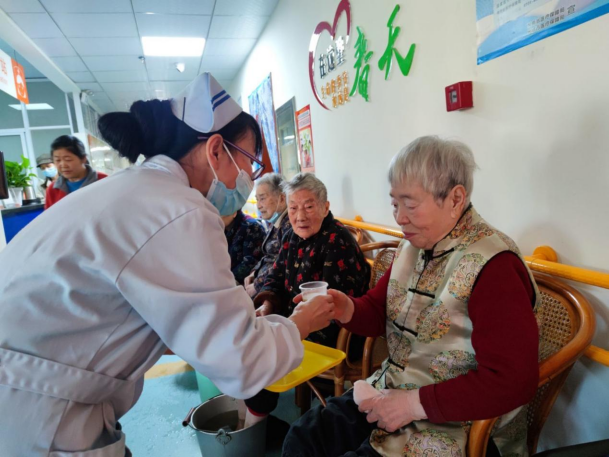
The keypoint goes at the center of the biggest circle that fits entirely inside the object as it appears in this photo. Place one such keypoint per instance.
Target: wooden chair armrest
(479, 435)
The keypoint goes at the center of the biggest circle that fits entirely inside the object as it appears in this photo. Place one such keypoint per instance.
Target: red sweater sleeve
(505, 338)
(370, 311)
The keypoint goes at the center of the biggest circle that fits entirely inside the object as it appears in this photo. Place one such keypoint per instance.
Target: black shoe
(276, 431)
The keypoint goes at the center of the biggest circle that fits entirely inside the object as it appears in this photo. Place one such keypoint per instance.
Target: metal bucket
(220, 415)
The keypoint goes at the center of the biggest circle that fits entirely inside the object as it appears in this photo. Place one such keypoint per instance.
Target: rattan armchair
(566, 326)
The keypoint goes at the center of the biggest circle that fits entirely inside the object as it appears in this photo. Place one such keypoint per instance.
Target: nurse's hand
(313, 314)
(343, 305)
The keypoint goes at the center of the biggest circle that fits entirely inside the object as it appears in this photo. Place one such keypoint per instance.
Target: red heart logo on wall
(343, 7)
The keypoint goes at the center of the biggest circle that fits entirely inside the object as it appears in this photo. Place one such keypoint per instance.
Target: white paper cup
(313, 289)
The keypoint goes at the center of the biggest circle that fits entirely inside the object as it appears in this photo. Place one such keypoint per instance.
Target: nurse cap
(204, 105)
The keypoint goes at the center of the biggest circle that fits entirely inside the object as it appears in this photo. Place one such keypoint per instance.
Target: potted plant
(18, 177)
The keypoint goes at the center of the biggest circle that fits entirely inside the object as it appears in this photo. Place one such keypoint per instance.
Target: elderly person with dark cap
(457, 309)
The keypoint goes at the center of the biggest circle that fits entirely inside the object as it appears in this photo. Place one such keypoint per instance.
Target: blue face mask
(50, 172)
(274, 218)
(228, 201)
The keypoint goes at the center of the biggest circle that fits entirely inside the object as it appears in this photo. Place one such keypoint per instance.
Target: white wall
(538, 132)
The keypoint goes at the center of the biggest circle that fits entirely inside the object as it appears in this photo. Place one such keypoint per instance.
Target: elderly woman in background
(457, 308)
(318, 248)
(244, 236)
(273, 208)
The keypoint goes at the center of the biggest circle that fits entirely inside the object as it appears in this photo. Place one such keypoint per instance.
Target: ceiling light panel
(33, 106)
(87, 6)
(173, 46)
(204, 7)
(96, 25)
(37, 25)
(172, 25)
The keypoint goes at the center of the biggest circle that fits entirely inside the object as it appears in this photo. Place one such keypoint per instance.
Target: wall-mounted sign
(262, 108)
(323, 65)
(506, 25)
(288, 144)
(12, 78)
(336, 53)
(305, 139)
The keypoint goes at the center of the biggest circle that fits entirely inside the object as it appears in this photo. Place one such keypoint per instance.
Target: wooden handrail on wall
(544, 260)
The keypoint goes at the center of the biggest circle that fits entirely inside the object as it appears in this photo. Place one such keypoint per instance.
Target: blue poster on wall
(262, 108)
(506, 25)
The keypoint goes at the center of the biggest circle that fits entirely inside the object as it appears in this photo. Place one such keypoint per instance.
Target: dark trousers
(339, 429)
(264, 402)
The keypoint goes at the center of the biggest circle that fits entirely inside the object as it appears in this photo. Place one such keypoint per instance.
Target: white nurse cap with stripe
(204, 105)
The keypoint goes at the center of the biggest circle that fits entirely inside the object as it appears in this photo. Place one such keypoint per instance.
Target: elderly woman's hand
(248, 280)
(251, 290)
(313, 314)
(394, 409)
(343, 305)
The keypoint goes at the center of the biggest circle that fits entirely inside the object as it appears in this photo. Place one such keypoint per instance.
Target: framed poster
(305, 139)
(262, 109)
(288, 148)
(506, 25)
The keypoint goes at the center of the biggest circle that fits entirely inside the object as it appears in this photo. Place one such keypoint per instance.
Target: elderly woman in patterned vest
(457, 307)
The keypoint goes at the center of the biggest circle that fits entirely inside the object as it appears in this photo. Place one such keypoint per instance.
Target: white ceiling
(97, 43)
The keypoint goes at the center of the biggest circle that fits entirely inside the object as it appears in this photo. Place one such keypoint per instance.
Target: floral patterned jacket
(245, 237)
(270, 250)
(332, 255)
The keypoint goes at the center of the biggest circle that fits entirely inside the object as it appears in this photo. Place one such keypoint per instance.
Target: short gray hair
(274, 181)
(306, 181)
(437, 164)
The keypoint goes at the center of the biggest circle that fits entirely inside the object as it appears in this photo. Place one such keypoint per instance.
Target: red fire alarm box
(459, 96)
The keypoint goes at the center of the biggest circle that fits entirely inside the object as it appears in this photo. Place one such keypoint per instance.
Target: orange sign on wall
(12, 78)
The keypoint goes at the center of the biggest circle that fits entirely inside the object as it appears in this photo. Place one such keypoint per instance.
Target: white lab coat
(95, 289)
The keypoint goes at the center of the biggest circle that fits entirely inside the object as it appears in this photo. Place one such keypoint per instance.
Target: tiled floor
(154, 426)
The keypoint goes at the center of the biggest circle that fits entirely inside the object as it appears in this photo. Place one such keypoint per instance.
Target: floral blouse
(332, 255)
(245, 237)
(270, 250)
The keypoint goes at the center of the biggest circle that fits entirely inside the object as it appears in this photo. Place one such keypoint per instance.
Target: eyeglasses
(258, 171)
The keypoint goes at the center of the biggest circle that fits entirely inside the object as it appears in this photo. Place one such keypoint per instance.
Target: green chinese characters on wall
(363, 56)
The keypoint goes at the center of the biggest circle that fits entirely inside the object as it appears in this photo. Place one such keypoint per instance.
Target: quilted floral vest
(429, 335)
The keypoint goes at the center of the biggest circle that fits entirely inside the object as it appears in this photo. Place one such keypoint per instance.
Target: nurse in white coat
(94, 290)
